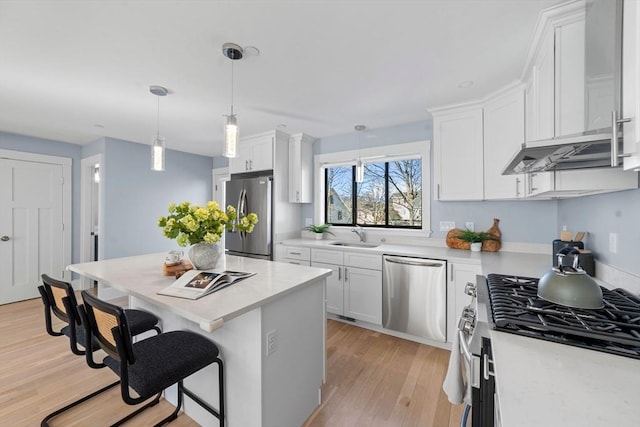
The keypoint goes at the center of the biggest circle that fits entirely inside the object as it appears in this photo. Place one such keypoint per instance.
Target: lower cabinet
(355, 288)
(296, 255)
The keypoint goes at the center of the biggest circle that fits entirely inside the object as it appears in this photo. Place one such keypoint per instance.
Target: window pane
(339, 193)
(370, 204)
(405, 193)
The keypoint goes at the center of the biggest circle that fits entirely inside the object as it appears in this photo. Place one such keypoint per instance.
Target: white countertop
(540, 383)
(141, 276)
(523, 264)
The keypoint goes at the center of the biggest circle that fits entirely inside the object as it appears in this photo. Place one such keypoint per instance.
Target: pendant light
(234, 53)
(359, 164)
(158, 146)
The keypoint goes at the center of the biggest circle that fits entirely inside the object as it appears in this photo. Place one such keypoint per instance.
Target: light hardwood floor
(372, 380)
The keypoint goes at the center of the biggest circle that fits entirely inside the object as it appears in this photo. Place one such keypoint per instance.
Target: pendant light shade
(158, 142)
(231, 131)
(230, 136)
(157, 154)
(359, 164)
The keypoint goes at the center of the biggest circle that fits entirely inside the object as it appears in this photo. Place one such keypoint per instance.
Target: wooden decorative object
(454, 243)
(493, 245)
(172, 270)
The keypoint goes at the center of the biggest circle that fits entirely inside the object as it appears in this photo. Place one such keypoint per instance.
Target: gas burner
(516, 308)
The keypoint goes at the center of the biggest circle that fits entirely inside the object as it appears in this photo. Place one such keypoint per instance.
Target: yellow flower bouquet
(191, 224)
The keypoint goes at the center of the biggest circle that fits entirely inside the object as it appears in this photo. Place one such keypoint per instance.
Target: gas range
(516, 308)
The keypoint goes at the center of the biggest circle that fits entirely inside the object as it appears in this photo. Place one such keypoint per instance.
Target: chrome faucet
(359, 231)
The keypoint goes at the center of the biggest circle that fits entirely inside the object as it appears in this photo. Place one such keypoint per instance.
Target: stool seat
(151, 365)
(165, 360)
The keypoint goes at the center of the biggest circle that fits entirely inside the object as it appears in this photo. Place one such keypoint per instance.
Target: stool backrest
(109, 326)
(61, 299)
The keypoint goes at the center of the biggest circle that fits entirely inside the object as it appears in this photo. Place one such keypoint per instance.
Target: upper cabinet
(457, 152)
(301, 168)
(631, 83)
(255, 153)
(503, 130)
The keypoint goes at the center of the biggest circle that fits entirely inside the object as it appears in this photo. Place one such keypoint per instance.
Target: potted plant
(319, 230)
(474, 238)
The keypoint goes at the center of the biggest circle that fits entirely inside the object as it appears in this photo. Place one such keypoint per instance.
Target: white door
(31, 227)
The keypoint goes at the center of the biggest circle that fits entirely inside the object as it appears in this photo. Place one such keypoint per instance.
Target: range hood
(591, 149)
(595, 147)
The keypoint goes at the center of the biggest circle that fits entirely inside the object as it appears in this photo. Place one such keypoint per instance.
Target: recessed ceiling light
(98, 126)
(465, 84)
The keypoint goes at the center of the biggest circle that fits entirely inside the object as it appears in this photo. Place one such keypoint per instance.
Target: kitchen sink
(355, 245)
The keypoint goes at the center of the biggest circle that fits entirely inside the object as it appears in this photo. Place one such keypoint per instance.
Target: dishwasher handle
(410, 261)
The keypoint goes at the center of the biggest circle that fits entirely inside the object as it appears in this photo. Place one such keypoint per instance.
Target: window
(390, 195)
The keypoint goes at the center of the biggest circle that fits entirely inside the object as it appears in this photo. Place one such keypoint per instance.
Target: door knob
(4, 238)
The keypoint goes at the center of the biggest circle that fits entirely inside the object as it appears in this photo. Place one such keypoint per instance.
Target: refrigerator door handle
(243, 210)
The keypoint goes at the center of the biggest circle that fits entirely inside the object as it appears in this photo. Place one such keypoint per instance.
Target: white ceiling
(76, 71)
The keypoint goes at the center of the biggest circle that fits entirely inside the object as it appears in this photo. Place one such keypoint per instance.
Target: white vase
(204, 256)
(319, 236)
(476, 247)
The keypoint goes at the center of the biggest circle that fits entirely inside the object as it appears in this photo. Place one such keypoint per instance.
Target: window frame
(354, 199)
(402, 151)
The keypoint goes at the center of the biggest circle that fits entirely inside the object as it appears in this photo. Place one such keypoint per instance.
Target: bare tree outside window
(389, 196)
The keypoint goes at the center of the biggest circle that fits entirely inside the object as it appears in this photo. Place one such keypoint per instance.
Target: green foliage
(474, 236)
(322, 228)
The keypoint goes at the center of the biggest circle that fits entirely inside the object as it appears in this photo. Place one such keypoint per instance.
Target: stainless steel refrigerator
(251, 193)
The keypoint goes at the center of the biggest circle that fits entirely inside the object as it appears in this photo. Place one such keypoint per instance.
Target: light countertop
(141, 276)
(540, 383)
(523, 264)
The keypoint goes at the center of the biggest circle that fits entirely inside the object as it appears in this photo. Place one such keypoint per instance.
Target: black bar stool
(59, 298)
(151, 365)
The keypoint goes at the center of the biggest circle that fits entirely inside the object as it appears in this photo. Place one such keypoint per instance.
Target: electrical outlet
(272, 342)
(447, 225)
(469, 226)
(613, 243)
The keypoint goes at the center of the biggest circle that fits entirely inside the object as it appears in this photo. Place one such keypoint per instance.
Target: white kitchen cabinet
(301, 168)
(503, 134)
(544, 75)
(255, 153)
(573, 183)
(296, 255)
(458, 158)
(555, 75)
(363, 294)
(569, 80)
(354, 289)
(459, 275)
(631, 83)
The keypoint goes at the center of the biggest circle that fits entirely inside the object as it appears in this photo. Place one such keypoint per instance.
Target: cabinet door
(569, 81)
(261, 154)
(240, 163)
(300, 169)
(631, 83)
(530, 123)
(363, 294)
(458, 160)
(335, 288)
(544, 75)
(538, 183)
(503, 136)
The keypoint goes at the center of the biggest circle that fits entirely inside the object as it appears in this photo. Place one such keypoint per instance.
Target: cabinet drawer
(293, 252)
(328, 256)
(356, 259)
(297, 261)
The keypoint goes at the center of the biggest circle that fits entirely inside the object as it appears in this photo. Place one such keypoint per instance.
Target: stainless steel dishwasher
(414, 296)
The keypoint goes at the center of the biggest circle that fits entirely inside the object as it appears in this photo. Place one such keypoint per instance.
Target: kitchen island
(270, 329)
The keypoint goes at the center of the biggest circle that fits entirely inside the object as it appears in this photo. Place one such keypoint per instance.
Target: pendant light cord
(158, 118)
(232, 87)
